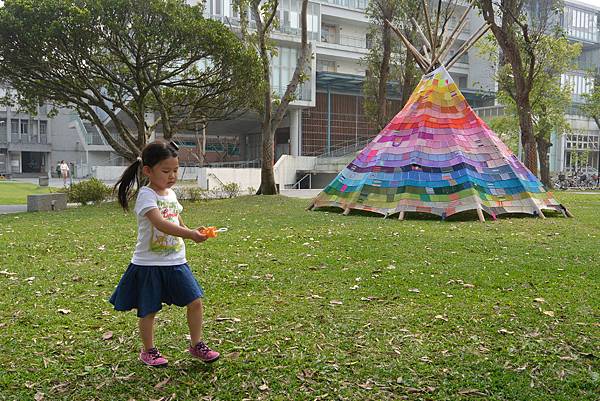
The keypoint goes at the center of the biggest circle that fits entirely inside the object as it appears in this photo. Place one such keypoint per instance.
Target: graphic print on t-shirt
(164, 243)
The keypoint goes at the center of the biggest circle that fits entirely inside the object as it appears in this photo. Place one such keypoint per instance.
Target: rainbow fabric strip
(437, 156)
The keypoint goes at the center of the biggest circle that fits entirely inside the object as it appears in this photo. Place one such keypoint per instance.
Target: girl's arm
(171, 228)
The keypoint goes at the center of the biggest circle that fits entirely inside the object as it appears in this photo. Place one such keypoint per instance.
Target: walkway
(300, 193)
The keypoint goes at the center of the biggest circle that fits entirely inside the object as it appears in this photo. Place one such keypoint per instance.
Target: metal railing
(354, 4)
(346, 148)
(256, 163)
(344, 40)
(297, 184)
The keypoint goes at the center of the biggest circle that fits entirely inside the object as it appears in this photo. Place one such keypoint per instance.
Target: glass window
(14, 126)
(43, 127)
(24, 127)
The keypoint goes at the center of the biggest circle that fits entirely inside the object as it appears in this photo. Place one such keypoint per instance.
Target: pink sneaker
(152, 357)
(202, 352)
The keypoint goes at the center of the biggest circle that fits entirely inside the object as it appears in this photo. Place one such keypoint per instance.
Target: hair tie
(139, 159)
(174, 145)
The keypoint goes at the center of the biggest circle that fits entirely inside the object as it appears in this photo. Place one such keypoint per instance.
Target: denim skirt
(146, 288)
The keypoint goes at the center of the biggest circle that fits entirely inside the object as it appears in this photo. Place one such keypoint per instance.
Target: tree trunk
(267, 176)
(384, 70)
(527, 135)
(408, 81)
(543, 148)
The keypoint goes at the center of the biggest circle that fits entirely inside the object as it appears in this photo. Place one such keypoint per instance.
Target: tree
(591, 107)
(114, 61)
(518, 34)
(548, 99)
(387, 60)
(272, 109)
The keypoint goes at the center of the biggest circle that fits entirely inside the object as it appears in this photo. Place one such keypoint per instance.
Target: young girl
(158, 272)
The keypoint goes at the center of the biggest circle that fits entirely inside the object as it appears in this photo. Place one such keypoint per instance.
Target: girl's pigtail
(125, 185)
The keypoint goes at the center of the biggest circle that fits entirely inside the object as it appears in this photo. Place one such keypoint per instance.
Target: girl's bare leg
(146, 325)
(194, 319)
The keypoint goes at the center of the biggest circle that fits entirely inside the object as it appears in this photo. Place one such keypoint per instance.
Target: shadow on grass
(466, 216)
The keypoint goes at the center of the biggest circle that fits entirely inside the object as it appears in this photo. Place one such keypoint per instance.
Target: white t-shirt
(155, 248)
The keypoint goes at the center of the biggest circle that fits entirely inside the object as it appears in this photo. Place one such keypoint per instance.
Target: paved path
(300, 193)
(57, 183)
(6, 209)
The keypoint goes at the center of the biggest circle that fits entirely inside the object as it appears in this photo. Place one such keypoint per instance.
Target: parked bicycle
(576, 180)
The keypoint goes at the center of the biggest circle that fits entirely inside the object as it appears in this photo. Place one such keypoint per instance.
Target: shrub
(92, 190)
(251, 190)
(231, 189)
(193, 194)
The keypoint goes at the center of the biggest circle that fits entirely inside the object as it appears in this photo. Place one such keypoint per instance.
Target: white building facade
(328, 114)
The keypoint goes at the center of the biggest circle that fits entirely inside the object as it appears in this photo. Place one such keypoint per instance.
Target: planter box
(46, 202)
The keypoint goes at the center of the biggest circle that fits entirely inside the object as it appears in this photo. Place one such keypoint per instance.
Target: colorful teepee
(437, 156)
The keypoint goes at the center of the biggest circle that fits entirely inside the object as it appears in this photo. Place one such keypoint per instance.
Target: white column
(294, 116)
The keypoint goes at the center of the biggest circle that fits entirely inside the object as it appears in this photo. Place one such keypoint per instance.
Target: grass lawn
(15, 193)
(311, 305)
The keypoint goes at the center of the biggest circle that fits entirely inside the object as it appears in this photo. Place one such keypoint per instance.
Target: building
(328, 114)
(578, 150)
(327, 117)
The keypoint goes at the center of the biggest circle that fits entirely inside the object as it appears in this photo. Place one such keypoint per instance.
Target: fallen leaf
(225, 319)
(7, 273)
(504, 331)
(445, 319)
(233, 355)
(102, 247)
(470, 391)
(162, 383)
(416, 290)
(334, 302)
(540, 300)
(467, 285)
(263, 387)
(107, 336)
(240, 265)
(366, 386)
(64, 311)
(38, 396)
(549, 313)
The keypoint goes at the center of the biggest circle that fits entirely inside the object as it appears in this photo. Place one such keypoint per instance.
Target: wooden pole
(426, 10)
(401, 215)
(418, 57)
(437, 25)
(484, 28)
(539, 211)
(480, 214)
(420, 31)
(346, 211)
(453, 36)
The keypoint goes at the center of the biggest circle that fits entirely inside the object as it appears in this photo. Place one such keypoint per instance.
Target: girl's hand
(197, 235)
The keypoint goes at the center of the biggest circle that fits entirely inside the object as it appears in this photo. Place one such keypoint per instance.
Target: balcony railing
(345, 40)
(354, 4)
(24, 138)
(303, 92)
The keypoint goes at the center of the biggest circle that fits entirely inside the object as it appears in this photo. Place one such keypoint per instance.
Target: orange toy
(211, 231)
